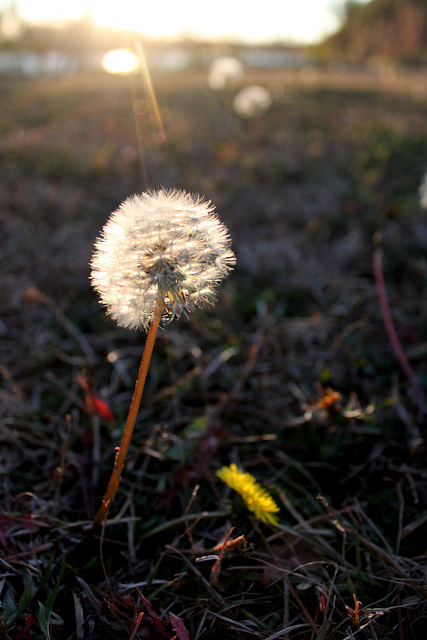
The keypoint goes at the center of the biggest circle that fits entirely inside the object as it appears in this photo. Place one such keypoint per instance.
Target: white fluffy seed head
(167, 244)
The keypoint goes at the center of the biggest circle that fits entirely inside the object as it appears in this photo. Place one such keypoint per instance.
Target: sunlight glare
(52, 11)
(122, 61)
(302, 21)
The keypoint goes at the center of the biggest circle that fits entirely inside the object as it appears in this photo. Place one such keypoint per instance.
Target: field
(309, 372)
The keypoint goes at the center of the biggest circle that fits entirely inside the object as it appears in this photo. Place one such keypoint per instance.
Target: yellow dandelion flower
(257, 499)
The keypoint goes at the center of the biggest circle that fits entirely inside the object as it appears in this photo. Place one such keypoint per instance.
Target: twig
(393, 337)
(34, 296)
(301, 605)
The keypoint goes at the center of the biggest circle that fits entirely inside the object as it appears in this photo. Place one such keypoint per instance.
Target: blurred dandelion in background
(225, 71)
(257, 499)
(252, 101)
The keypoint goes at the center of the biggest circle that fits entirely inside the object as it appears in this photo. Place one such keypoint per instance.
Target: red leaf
(152, 619)
(3, 539)
(147, 604)
(24, 634)
(96, 405)
(93, 403)
(179, 627)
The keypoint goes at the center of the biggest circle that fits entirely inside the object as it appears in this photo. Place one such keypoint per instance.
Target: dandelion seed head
(225, 71)
(252, 101)
(257, 499)
(168, 244)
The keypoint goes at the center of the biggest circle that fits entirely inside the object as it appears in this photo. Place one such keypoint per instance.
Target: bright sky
(290, 20)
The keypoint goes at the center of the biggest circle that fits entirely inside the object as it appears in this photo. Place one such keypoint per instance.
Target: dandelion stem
(130, 422)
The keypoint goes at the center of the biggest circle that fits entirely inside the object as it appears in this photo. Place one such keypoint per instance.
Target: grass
(303, 190)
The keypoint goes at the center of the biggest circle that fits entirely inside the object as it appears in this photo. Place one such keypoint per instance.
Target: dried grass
(302, 189)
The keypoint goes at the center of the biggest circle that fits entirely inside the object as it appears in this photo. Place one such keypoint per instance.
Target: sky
(300, 21)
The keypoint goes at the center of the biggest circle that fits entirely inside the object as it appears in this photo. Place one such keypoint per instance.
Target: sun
(121, 61)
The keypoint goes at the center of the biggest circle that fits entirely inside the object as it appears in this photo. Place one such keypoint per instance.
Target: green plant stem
(130, 422)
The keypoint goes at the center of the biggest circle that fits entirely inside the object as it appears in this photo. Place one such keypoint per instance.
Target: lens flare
(120, 61)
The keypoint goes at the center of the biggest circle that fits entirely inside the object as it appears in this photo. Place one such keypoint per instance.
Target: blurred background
(48, 38)
(306, 125)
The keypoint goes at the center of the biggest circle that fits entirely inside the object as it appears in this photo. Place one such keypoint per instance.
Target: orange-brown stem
(130, 422)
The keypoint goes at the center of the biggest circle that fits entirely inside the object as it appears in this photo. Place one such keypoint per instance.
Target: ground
(309, 372)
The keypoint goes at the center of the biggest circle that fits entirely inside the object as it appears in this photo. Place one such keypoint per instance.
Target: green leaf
(29, 592)
(45, 610)
(10, 609)
(44, 618)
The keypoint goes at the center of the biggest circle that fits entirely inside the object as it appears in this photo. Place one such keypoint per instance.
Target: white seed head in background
(166, 244)
(252, 101)
(225, 72)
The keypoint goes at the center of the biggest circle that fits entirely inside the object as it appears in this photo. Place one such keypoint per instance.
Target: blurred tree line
(393, 29)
